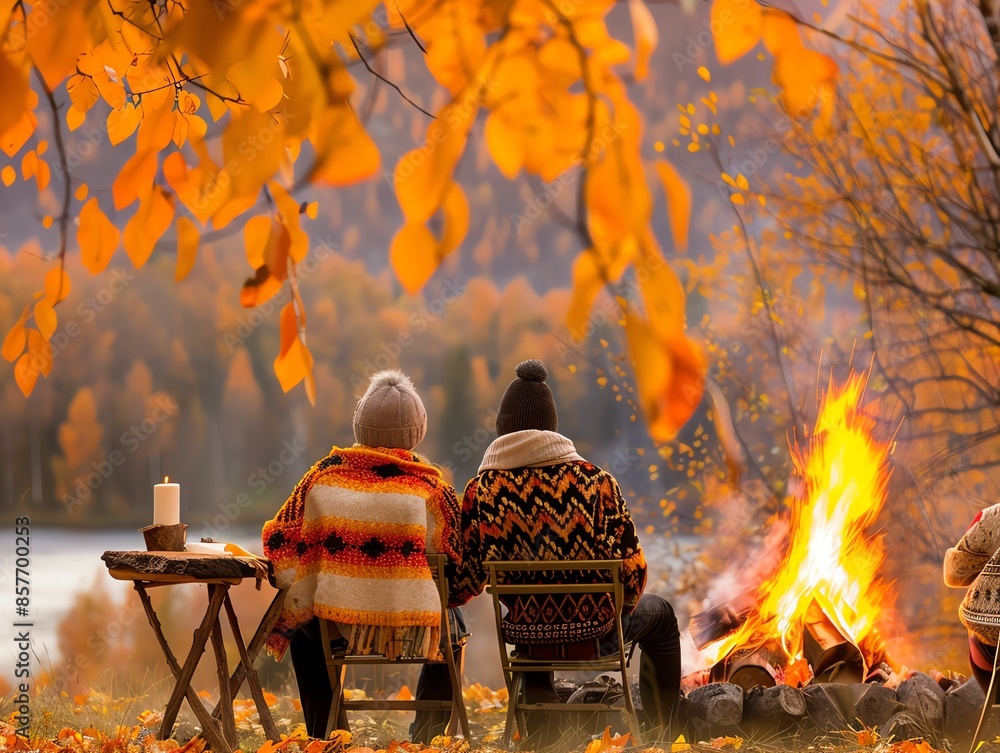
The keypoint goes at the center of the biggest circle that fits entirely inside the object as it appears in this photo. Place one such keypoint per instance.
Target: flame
(830, 560)
(166, 479)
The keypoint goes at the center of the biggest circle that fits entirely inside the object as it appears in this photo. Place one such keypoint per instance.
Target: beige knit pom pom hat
(390, 413)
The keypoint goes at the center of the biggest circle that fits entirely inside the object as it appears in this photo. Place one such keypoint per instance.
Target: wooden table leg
(266, 720)
(259, 639)
(222, 665)
(209, 726)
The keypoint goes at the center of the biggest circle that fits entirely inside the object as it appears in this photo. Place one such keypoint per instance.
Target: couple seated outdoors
(350, 546)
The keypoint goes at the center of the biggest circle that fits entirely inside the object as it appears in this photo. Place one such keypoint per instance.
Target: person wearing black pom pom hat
(536, 498)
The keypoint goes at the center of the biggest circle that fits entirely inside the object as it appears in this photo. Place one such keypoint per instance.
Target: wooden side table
(152, 569)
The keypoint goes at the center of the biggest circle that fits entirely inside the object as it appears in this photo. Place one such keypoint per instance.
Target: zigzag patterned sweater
(350, 545)
(565, 510)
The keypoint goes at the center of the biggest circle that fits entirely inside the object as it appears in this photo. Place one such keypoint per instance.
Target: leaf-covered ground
(100, 723)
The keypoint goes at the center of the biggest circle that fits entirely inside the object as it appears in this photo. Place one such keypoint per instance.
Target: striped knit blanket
(350, 546)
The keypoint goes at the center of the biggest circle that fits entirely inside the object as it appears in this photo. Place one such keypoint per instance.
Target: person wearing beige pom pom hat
(350, 546)
(536, 498)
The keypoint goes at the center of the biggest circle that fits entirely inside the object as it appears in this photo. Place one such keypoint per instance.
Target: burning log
(719, 621)
(718, 703)
(773, 709)
(749, 668)
(832, 656)
(923, 698)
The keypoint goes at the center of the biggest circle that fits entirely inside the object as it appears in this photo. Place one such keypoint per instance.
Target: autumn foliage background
(219, 218)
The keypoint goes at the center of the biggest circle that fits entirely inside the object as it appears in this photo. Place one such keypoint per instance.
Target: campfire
(814, 619)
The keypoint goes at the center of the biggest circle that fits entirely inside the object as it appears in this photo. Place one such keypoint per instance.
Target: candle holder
(160, 538)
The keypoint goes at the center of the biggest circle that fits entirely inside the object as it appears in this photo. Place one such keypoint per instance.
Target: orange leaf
(423, 176)
(25, 374)
(806, 77)
(276, 251)
(456, 220)
(256, 231)
(736, 26)
(646, 37)
(18, 134)
(289, 328)
(293, 366)
(14, 342)
(678, 202)
(134, 178)
(45, 318)
(40, 351)
(505, 143)
(414, 255)
(188, 239)
(345, 153)
(97, 237)
(587, 283)
(15, 88)
(150, 221)
(663, 296)
(57, 285)
(669, 377)
(122, 123)
(9, 175)
(780, 32)
(259, 288)
(298, 241)
(58, 40)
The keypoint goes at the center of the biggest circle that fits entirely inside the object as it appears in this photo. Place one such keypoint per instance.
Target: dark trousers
(316, 695)
(653, 626)
(986, 655)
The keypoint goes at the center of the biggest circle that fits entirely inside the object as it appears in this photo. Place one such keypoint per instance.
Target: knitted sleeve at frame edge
(964, 561)
(443, 507)
(619, 532)
(470, 577)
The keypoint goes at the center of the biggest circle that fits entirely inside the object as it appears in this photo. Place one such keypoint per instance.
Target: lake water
(65, 562)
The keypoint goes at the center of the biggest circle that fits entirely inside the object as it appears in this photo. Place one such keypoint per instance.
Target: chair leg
(459, 715)
(633, 717)
(338, 716)
(513, 695)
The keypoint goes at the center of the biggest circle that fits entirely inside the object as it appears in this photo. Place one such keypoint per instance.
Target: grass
(109, 722)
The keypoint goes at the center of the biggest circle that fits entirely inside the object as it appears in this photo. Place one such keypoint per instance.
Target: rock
(962, 707)
(923, 699)
(868, 705)
(903, 725)
(822, 710)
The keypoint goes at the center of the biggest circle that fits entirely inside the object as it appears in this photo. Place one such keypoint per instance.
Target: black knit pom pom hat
(528, 402)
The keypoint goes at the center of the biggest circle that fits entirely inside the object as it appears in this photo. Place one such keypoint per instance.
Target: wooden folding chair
(515, 666)
(337, 663)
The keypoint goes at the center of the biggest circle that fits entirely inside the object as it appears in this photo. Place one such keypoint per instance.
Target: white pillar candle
(166, 503)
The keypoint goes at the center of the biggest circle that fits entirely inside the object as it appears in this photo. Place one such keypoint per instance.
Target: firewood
(719, 703)
(903, 726)
(773, 709)
(923, 698)
(822, 710)
(868, 705)
(720, 620)
(962, 707)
